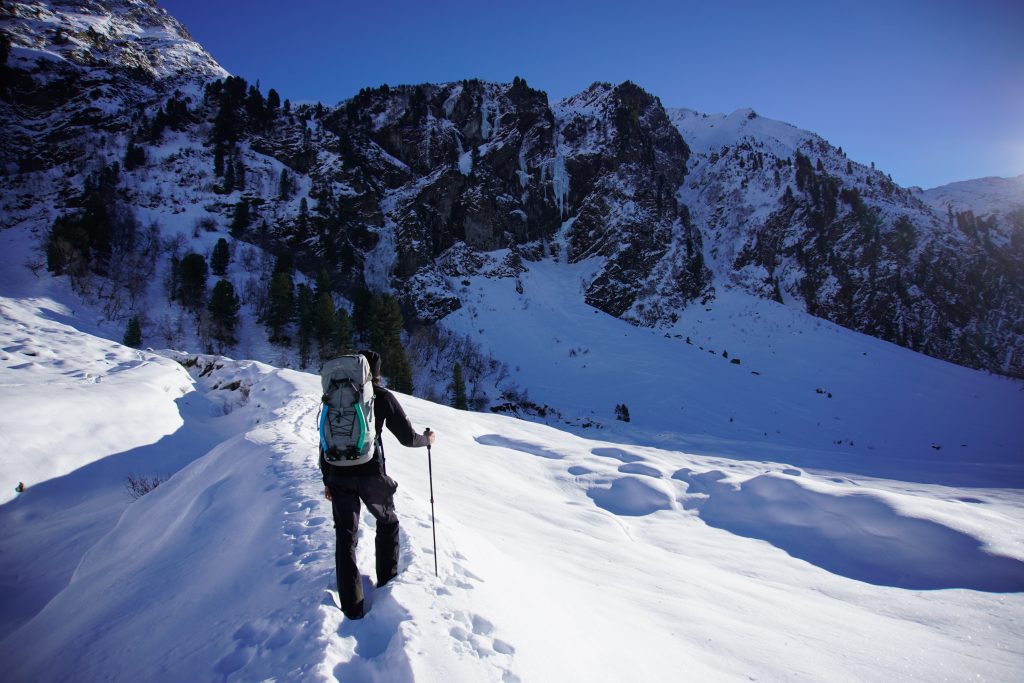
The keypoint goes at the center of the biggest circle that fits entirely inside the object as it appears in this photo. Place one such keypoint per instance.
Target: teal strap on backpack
(362, 426)
(323, 422)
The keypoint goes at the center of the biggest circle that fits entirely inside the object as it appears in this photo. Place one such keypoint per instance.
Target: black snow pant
(377, 491)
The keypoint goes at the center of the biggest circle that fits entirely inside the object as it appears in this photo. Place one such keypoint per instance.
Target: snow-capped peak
(129, 34)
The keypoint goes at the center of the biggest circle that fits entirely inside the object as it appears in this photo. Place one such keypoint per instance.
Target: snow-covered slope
(743, 374)
(983, 196)
(708, 133)
(560, 557)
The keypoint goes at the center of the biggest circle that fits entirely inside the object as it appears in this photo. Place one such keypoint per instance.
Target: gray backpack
(347, 430)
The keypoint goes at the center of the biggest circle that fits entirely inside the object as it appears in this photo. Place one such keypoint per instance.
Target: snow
(91, 389)
(466, 162)
(982, 196)
(708, 133)
(683, 544)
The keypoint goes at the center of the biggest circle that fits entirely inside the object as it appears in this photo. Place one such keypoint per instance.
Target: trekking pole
(430, 471)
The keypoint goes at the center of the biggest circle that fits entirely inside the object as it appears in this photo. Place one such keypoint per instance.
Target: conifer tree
(220, 258)
(241, 219)
(459, 400)
(284, 186)
(280, 302)
(386, 339)
(239, 174)
(218, 160)
(223, 307)
(229, 177)
(323, 282)
(191, 281)
(133, 333)
(342, 332)
(325, 323)
(306, 305)
(362, 314)
(134, 156)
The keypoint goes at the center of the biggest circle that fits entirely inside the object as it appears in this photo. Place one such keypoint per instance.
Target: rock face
(494, 166)
(78, 68)
(410, 189)
(790, 217)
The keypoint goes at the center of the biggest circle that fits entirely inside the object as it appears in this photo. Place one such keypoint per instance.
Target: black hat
(373, 358)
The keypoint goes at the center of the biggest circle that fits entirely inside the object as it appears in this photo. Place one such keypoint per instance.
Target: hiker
(346, 485)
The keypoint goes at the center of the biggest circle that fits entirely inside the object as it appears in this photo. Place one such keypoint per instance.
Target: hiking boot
(355, 612)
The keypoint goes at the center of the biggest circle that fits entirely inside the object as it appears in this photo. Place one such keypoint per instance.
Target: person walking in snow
(369, 483)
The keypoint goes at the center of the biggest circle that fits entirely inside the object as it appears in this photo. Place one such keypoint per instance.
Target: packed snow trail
(560, 557)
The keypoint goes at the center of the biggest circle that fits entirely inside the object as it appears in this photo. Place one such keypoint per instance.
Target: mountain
(788, 216)
(79, 71)
(999, 197)
(113, 123)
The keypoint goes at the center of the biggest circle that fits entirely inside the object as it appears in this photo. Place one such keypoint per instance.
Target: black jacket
(386, 410)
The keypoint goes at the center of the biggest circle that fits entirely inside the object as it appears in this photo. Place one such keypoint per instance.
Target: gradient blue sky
(932, 91)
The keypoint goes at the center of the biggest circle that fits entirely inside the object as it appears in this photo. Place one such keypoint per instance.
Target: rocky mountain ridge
(408, 189)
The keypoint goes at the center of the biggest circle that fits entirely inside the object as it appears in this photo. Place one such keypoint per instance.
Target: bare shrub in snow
(436, 350)
(139, 485)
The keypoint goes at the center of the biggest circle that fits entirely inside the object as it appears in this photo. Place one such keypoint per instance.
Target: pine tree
(386, 339)
(323, 282)
(224, 306)
(229, 177)
(459, 400)
(325, 324)
(303, 215)
(218, 160)
(239, 174)
(133, 333)
(400, 375)
(191, 281)
(343, 332)
(134, 156)
(362, 314)
(284, 186)
(220, 258)
(241, 219)
(280, 306)
(306, 304)
(622, 412)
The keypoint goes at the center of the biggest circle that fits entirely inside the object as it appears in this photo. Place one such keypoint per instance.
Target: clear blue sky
(932, 91)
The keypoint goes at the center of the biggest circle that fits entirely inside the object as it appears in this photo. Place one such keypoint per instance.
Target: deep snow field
(723, 534)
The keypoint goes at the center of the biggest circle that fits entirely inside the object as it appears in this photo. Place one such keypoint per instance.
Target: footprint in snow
(474, 634)
(380, 643)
